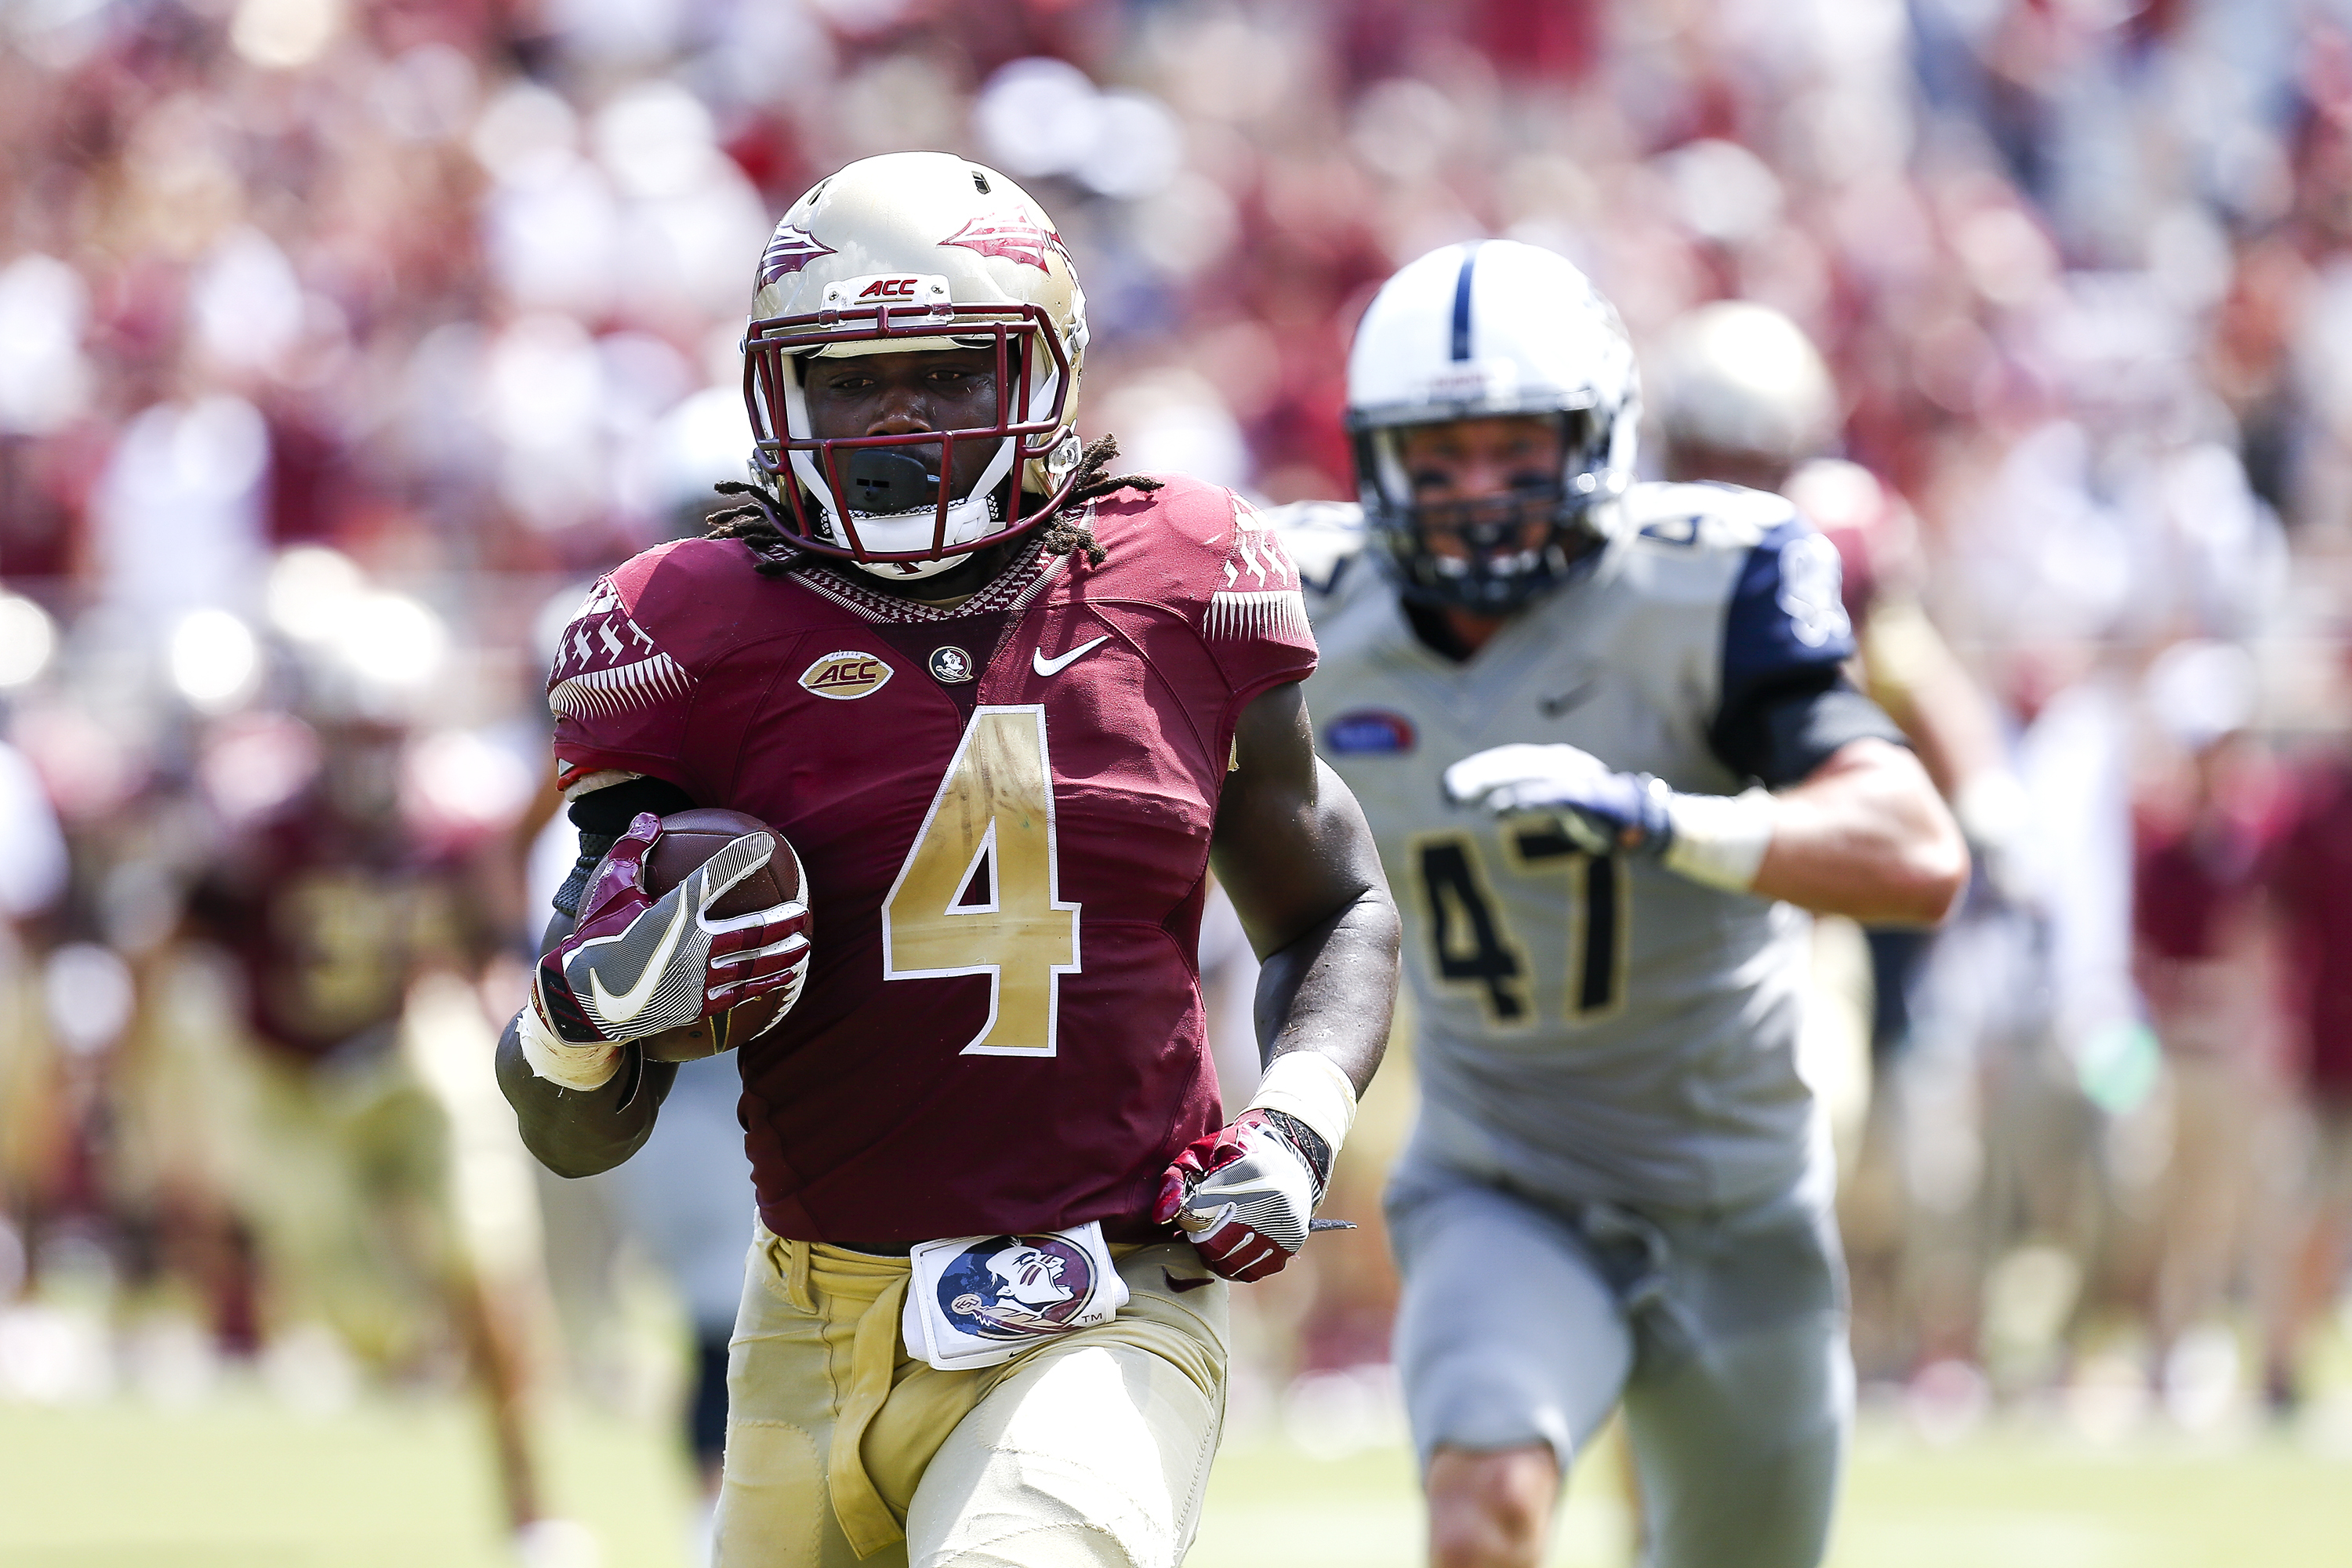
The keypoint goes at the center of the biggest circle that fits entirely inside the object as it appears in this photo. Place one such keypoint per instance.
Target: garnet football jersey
(326, 918)
(1003, 811)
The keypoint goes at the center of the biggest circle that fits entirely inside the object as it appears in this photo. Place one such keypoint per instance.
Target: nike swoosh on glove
(1602, 811)
(636, 965)
(1244, 1193)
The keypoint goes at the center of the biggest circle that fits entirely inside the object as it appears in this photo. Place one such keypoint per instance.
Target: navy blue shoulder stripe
(1462, 301)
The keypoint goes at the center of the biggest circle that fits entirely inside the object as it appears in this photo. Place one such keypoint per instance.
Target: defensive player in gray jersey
(1602, 732)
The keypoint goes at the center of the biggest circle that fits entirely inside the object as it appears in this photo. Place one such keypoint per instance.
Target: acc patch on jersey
(1369, 732)
(974, 1301)
(847, 676)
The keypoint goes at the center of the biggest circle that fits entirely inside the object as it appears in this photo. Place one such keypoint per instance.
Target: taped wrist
(1308, 1087)
(1719, 841)
(558, 1060)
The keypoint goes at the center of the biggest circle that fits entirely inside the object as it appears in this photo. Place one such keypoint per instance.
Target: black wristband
(610, 810)
(601, 816)
(1308, 1142)
(593, 848)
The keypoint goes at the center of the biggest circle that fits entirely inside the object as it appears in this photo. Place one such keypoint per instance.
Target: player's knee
(1490, 1509)
(1479, 1535)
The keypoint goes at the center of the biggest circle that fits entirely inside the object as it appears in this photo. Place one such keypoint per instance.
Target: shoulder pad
(1703, 516)
(1322, 537)
(1185, 530)
(682, 571)
(648, 625)
(1197, 546)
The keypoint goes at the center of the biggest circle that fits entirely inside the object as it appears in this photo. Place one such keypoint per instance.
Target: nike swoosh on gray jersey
(1573, 698)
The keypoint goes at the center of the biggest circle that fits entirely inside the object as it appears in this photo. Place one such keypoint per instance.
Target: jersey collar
(1014, 588)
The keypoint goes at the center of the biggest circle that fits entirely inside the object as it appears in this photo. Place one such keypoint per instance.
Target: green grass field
(242, 1482)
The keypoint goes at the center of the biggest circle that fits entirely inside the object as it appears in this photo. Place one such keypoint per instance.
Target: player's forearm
(577, 1133)
(1332, 990)
(1865, 836)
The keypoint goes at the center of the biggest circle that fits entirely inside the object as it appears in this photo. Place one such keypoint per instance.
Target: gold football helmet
(911, 252)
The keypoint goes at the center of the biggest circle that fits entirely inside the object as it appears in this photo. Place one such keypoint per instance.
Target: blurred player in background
(2309, 882)
(687, 1194)
(1002, 705)
(1620, 1188)
(384, 1210)
(1742, 396)
(33, 869)
(2202, 835)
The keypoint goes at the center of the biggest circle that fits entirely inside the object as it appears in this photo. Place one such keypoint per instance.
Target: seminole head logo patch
(1016, 1287)
(847, 676)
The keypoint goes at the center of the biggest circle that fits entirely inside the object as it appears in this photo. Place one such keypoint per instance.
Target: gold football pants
(1088, 1451)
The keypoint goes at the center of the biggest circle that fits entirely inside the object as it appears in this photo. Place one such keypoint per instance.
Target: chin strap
(980, 506)
(757, 524)
(915, 571)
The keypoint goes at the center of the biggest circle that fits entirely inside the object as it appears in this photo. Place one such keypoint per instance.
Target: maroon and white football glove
(1246, 1193)
(636, 965)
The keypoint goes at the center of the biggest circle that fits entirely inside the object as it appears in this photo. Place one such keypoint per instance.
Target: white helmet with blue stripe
(1474, 330)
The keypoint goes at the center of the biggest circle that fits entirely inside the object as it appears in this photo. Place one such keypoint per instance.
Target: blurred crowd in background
(342, 344)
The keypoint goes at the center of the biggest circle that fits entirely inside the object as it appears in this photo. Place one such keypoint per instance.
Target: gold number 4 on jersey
(980, 889)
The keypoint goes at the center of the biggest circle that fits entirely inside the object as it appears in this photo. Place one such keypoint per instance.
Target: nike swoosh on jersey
(1179, 1284)
(611, 1009)
(1044, 666)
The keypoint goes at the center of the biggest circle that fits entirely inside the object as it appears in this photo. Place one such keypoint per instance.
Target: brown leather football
(688, 839)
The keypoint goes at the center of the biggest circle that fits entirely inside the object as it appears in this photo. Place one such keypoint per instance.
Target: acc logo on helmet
(879, 287)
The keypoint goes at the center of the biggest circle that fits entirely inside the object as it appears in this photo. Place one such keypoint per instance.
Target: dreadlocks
(754, 522)
(1067, 532)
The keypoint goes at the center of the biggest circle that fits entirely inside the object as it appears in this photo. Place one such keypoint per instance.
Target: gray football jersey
(1587, 1028)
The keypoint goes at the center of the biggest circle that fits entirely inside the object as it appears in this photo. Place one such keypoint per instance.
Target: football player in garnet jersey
(1007, 707)
(351, 935)
(1601, 730)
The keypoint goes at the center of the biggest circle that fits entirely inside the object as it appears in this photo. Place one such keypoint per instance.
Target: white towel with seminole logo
(977, 1300)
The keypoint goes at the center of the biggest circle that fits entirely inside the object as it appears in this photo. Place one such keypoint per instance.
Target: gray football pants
(1724, 1336)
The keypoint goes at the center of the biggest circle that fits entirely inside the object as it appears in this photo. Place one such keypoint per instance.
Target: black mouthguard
(884, 482)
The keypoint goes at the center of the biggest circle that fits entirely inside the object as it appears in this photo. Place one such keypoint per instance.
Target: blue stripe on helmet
(1462, 301)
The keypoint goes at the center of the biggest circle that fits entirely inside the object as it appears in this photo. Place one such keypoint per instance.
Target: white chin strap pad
(911, 571)
(892, 533)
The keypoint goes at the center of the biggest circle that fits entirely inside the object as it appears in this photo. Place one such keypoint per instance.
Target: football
(688, 839)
